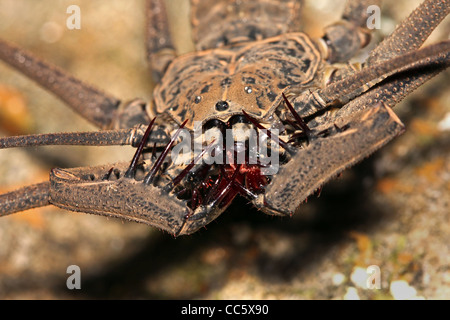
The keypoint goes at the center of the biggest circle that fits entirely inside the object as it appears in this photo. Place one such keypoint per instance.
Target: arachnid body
(195, 206)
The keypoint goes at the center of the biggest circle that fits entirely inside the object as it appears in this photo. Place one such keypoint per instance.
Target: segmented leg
(350, 34)
(412, 32)
(33, 196)
(375, 123)
(97, 138)
(396, 88)
(340, 92)
(354, 85)
(408, 36)
(93, 104)
(160, 49)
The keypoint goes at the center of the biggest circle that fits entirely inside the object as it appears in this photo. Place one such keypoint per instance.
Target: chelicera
(254, 77)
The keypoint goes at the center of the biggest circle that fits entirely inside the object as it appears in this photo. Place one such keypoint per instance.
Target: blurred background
(392, 210)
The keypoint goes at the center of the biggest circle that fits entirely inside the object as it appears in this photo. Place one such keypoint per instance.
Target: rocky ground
(391, 211)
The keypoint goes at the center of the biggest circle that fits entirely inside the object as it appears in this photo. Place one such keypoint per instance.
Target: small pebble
(359, 277)
(401, 290)
(351, 294)
(444, 124)
(338, 279)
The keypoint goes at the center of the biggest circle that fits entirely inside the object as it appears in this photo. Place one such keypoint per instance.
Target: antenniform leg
(120, 137)
(105, 190)
(136, 192)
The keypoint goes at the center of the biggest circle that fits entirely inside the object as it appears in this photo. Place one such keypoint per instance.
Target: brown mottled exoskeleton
(252, 70)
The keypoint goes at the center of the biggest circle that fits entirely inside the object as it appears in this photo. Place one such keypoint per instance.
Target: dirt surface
(391, 211)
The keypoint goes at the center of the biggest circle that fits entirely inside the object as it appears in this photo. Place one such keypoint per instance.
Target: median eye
(222, 106)
(248, 89)
(198, 99)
